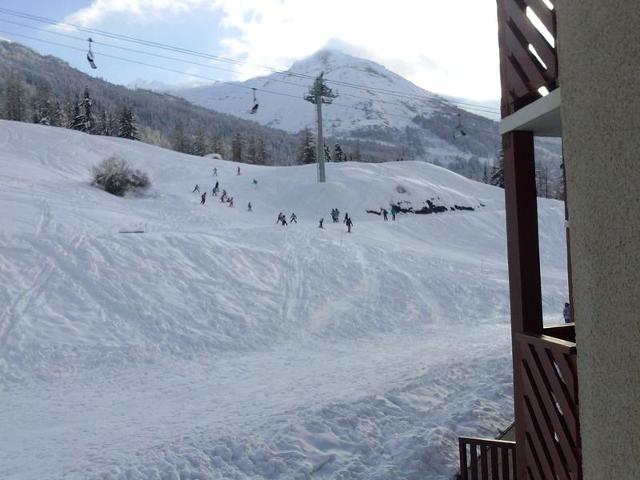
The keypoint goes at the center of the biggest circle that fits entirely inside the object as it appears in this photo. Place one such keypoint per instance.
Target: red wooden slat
(570, 375)
(533, 462)
(534, 74)
(484, 469)
(560, 391)
(474, 463)
(539, 440)
(504, 454)
(531, 35)
(464, 468)
(494, 464)
(546, 16)
(549, 453)
(494, 460)
(554, 423)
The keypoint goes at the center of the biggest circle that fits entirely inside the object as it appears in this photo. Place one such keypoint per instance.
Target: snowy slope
(218, 345)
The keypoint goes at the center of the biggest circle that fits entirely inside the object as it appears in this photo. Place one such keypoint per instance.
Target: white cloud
(447, 46)
(142, 10)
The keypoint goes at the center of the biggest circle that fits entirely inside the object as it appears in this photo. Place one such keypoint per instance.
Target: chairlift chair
(90, 57)
(254, 109)
(459, 131)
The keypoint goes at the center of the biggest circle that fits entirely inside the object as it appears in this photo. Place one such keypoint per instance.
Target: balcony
(548, 395)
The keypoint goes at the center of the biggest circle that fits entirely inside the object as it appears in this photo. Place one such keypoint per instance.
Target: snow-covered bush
(115, 176)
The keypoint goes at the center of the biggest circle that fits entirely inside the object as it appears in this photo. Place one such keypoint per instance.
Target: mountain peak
(326, 59)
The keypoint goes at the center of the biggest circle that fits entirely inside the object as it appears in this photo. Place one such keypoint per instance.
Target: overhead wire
(144, 52)
(198, 76)
(369, 89)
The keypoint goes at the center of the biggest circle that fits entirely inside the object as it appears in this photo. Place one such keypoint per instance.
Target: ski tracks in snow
(16, 309)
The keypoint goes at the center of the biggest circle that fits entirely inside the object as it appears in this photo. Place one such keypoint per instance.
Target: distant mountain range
(378, 115)
(382, 111)
(160, 116)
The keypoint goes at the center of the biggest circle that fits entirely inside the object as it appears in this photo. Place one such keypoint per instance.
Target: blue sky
(446, 47)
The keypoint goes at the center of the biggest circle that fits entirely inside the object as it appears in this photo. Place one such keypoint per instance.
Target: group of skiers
(282, 218)
(335, 217)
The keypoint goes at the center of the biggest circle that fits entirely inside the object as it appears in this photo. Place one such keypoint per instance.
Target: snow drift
(216, 344)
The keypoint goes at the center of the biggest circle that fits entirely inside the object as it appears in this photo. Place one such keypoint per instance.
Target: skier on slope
(215, 172)
(238, 170)
(196, 189)
(203, 198)
(249, 207)
(321, 222)
(280, 215)
(394, 211)
(231, 201)
(349, 224)
(346, 217)
(384, 214)
(293, 218)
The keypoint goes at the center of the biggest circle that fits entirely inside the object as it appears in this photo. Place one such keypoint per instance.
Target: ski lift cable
(226, 59)
(202, 77)
(182, 60)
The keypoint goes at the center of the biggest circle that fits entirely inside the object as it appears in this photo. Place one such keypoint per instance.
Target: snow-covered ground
(219, 345)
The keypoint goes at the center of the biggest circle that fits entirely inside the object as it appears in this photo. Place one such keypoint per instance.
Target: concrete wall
(599, 48)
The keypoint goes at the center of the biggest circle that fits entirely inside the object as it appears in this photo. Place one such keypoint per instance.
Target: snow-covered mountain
(219, 345)
(397, 115)
(281, 96)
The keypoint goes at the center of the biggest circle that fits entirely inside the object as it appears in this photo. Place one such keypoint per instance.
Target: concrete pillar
(599, 58)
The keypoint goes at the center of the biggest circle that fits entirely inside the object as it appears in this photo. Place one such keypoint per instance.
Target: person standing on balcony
(566, 313)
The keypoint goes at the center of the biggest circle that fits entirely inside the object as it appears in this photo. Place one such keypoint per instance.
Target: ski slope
(219, 345)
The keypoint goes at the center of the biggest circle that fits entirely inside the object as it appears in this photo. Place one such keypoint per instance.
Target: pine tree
(357, 156)
(262, 152)
(237, 144)
(14, 99)
(199, 144)
(77, 122)
(127, 125)
(542, 181)
(70, 107)
(308, 150)
(179, 141)
(252, 151)
(338, 154)
(327, 153)
(216, 145)
(42, 108)
(56, 118)
(87, 119)
(485, 173)
(497, 174)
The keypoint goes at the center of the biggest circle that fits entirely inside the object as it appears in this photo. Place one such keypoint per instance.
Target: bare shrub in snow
(115, 176)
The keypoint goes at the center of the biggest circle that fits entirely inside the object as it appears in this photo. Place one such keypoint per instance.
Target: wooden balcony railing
(549, 404)
(528, 58)
(549, 400)
(482, 459)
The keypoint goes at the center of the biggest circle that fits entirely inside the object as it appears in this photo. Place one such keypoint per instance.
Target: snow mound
(152, 337)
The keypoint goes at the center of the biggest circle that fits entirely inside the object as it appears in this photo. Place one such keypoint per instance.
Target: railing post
(524, 264)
